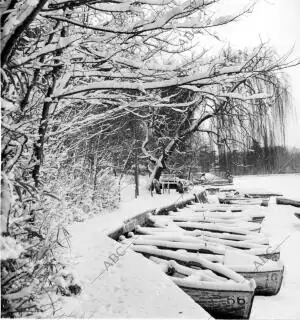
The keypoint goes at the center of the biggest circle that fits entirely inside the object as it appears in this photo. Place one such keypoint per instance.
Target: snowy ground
(134, 287)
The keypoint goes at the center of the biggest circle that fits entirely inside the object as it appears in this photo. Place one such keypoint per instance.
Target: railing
(168, 181)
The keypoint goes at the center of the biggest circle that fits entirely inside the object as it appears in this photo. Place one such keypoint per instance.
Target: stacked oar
(215, 253)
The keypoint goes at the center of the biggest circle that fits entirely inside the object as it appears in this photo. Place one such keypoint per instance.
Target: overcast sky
(278, 22)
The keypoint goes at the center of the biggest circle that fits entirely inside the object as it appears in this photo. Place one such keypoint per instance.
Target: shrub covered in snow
(29, 238)
(79, 198)
(10, 248)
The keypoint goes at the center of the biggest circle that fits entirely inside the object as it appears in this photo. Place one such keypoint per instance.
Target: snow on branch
(62, 43)
(16, 18)
(232, 95)
(204, 77)
(186, 15)
(144, 66)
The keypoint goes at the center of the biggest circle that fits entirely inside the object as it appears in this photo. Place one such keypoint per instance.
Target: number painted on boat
(233, 300)
(241, 301)
(230, 300)
(274, 277)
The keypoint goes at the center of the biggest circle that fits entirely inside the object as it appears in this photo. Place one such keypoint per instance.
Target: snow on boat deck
(131, 287)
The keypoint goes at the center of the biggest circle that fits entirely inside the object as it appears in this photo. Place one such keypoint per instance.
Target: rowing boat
(216, 227)
(252, 193)
(214, 217)
(253, 243)
(220, 297)
(254, 213)
(267, 274)
(228, 208)
(240, 227)
(219, 290)
(244, 201)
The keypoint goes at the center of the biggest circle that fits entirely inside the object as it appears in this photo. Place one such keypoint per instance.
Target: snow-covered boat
(244, 200)
(253, 213)
(267, 274)
(219, 290)
(241, 228)
(268, 282)
(214, 217)
(253, 243)
(221, 297)
(237, 227)
(249, 192)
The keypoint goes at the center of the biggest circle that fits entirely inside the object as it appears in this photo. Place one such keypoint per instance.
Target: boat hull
(223, 304)
(268, 283)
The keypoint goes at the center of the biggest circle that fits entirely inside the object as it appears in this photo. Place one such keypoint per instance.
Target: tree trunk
(39, 145)
(9, 44)
(180, 136)
(95, 176)
(160, 163)
(136, 173)
(156, 173)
